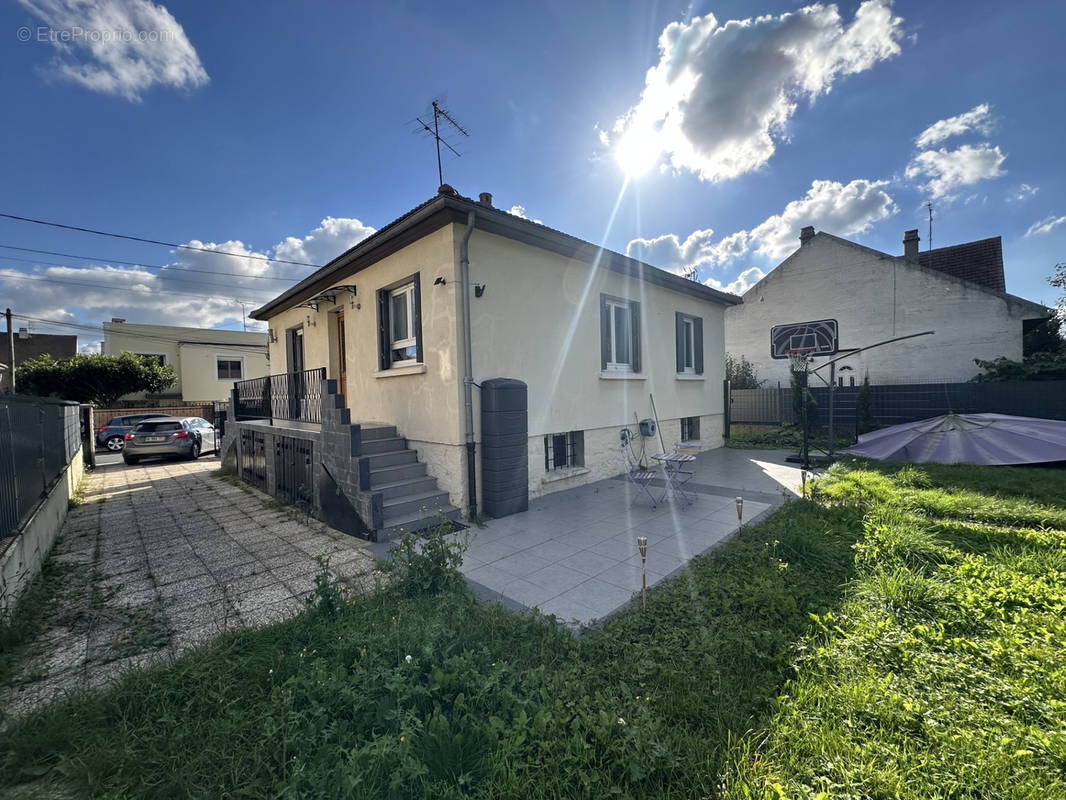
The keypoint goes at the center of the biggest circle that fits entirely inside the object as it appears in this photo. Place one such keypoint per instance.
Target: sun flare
(638, 150)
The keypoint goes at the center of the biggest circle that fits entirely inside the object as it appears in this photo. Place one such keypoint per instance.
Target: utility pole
(10, 349)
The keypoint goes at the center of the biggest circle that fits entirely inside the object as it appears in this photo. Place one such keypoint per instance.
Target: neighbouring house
(958, 291)
(207, 361)
(409, 329)
(31, 345)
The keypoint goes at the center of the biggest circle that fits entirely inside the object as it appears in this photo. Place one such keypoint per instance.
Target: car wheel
(130, 460)
(194, 451)
(114, 443)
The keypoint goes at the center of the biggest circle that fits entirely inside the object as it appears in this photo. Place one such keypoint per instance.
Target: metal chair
(640, 478)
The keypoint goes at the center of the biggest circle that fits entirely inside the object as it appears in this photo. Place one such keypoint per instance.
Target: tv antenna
(929, 205)
(439, 114)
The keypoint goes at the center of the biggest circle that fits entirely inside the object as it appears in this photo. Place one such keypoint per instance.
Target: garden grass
(902, 635)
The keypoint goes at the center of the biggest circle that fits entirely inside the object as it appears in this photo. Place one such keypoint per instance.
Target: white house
(206, 361)
(958, 292)
(592, 333)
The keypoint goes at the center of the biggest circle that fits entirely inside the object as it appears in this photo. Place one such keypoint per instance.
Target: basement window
(690, 429)
(564, 451)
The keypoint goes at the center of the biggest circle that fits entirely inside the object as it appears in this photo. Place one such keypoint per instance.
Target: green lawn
(900, 636)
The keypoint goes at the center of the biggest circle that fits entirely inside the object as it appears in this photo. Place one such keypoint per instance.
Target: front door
(342, 359)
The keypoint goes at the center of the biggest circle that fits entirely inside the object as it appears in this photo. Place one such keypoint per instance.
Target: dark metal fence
(38, 438)
(291, 395)
(294, 460)
(897, 403)
(253, 457)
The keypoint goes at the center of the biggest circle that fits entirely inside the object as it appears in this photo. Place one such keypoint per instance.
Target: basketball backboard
(819, 337)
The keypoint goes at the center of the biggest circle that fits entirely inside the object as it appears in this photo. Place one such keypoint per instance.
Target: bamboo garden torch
(642, 545)
(740, 513)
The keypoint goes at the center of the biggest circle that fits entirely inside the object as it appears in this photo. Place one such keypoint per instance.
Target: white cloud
(1024, 192)
(333, 236)
(122, 47)
(744, 281)
(843, 209)
(1045, 225)
(719, 98)
(978, 118)
(175, 295)
(947, 170)
(520, 211)
(837, 208)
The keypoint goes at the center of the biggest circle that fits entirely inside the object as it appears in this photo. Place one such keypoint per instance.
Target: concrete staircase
(409, 497)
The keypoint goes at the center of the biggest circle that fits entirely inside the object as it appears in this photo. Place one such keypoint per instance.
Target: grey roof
(450, 207)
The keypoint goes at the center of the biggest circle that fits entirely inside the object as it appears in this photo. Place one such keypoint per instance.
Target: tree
(741, 373)
(93, 378)
(1044, 337)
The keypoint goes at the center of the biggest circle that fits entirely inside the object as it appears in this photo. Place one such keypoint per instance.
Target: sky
(699, 137)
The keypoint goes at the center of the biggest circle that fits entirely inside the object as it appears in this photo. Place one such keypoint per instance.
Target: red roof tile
(980, 262)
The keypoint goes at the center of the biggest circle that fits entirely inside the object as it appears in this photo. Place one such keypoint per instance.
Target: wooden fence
(102, 416)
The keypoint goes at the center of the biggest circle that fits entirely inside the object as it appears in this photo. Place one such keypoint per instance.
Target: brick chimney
(806, 235)
(910, 245)
(485, 199)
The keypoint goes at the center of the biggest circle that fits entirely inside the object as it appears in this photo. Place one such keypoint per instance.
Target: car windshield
(156, 427)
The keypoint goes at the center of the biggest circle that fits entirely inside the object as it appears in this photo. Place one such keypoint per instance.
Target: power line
(21, 276)
(100, 260)
(175, 275)
(154, 241)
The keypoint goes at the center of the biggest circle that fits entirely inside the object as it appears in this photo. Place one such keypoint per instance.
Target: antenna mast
(929, 205)
(439, 114)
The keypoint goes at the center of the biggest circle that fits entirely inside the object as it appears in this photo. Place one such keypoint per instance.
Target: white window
(688, 345)
(619, 334)
(229, 369)
(403, 347)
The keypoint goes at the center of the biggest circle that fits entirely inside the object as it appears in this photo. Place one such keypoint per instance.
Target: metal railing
(38, 438)
(292, 395)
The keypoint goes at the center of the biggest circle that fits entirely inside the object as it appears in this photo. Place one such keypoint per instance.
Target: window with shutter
(400, 324)
(619, 334)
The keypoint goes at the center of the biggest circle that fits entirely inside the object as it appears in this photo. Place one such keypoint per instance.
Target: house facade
(958, 292)
(206, 361)
(32, 345)
(593, 335)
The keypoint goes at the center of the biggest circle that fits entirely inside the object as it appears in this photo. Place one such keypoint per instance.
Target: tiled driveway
(162, 557)
(574, 553)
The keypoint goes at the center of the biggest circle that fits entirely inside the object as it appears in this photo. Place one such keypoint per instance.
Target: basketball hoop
(797, 359)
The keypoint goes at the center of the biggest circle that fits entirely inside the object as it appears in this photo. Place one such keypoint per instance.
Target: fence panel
(38, 438)
(102, 416)
(896, 403)
(291, 395)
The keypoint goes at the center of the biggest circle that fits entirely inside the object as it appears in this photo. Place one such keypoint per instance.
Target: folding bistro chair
(640, 478)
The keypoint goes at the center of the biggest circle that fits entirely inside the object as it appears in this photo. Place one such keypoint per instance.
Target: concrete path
(574, 553)
(162, 557)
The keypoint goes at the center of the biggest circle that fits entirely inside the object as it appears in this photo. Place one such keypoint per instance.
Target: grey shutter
(679, 340)
(605, 331)
(634, 311)
(697, 336)
(384, 342)
(417, 321)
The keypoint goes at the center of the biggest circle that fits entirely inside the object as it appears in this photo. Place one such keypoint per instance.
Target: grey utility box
(504, 447)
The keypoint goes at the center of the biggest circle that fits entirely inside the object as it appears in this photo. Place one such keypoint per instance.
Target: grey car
(161, 436)
(113, 434)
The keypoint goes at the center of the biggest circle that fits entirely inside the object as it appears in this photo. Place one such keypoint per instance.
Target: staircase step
(371, 432)
(408, 504)
(382, 476)
(392, 458)
(418, 521)
(408, 486)
(384, 445)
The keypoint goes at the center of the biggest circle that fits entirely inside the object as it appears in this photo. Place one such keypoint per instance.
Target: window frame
(231, 359)
(410, 285)
(688, 339)
(609, 307)
(573, 449)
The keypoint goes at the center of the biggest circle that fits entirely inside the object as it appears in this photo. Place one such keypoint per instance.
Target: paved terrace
(574, 553)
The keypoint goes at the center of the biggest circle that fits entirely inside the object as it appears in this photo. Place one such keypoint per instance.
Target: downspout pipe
(468, 376)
